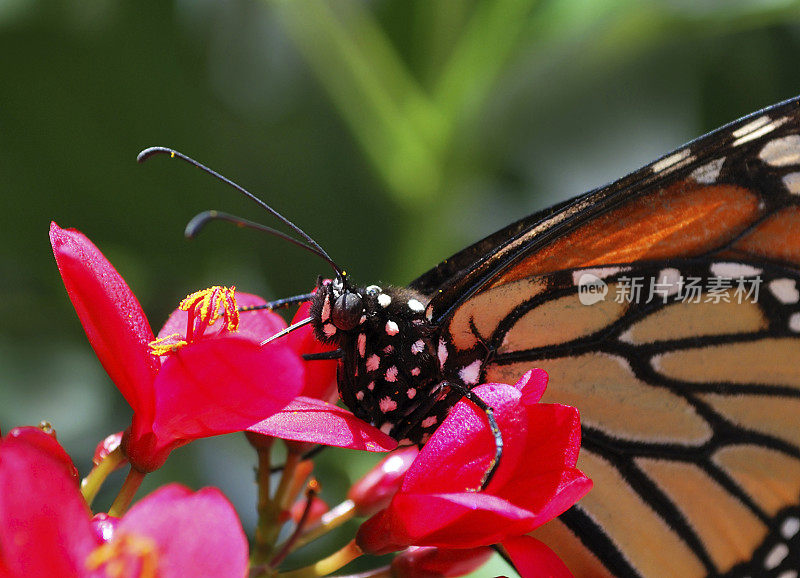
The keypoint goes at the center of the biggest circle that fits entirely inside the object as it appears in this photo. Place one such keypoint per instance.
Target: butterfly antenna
(152, 151)
(200, 220)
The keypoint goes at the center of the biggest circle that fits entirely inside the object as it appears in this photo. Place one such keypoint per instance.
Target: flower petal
(438, 562)
(110, 314)
(44, 442)
(44, 521)
(312, 420)
(212, 387)
(198, 533)
(533, 559)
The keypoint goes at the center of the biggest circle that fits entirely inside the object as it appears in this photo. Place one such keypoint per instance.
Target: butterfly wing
(689, 409)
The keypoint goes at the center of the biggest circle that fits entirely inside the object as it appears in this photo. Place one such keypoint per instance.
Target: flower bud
(374, 491)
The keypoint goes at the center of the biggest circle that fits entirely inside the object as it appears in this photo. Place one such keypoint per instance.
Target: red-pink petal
(438, 562)
(44, 442)
(312, 420)
(110, 314)
(375, 489)
(197, 533)
(44, 521)
(213, 387)
(533, 385)
(533, 559)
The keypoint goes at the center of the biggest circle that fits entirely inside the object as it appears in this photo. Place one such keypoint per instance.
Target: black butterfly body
(689, 392)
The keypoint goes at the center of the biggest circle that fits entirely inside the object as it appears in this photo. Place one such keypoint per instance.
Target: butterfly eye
(347, 311)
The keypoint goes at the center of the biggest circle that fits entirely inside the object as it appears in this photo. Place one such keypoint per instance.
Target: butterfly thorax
(389, 374)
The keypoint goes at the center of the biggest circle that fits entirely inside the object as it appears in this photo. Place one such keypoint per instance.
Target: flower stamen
(165, 345)
(126, 555)
(205, 307)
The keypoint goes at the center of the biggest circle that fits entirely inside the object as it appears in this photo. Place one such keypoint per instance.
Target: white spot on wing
(781, 152)
(754, 130)
(387, 404)
(373, 362)
(708, 173)
(387, 427)
(418, 346)
(750, 126)
(411, 393)
(415, 306)
(371, 385)
(673, 161)
(790, 527)
(384, 300)
(470, 374)
(391, 374)
(600, 273)
(669, 281)
(785, 290)
(415, 372)
(360, 395)
(792, 183)
(776, 556)
(794, 322)
(734, 270)
(391, 328)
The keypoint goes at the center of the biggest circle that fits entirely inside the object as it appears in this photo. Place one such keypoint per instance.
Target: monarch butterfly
(690, 400)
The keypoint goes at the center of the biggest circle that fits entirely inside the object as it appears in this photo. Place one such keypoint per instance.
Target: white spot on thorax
(781, 152)
(326, 309)
(708, 173)
(673, 161)
(392, 328)
(470, 374)
(785, 290)
(792, 183)
(418, 346)
(371, 385)
(373, 362)
(387, 427)
(360, 395)
(329, 329)
(415, 372)
(415, 306)
(384, 300)
(391, 374)
(362, 344)
(387, 404)
(776, 556)
(411, 393)
(442, 353)
(735, 270)
(429, 421)
(388, 349)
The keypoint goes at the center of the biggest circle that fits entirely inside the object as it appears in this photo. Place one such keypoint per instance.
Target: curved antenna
(152, 151)
(200, 220)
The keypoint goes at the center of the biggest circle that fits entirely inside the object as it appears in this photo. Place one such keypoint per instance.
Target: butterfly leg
(498, 438)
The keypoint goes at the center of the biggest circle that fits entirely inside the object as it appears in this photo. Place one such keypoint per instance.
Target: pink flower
(206, 378)
(440, 502)
(45, 527)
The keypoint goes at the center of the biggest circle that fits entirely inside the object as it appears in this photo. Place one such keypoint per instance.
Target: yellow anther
(126, 555)
(211, 304)
(165, 345)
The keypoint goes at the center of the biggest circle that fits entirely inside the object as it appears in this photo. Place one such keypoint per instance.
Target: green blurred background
(395, 132)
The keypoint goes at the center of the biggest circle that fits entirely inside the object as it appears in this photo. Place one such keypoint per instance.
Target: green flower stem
(330, 520)
(327, 565)
(126, 493)
(92, 483)
(268, 512)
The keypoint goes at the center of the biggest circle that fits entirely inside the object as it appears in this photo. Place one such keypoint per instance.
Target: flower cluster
(208, 372)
